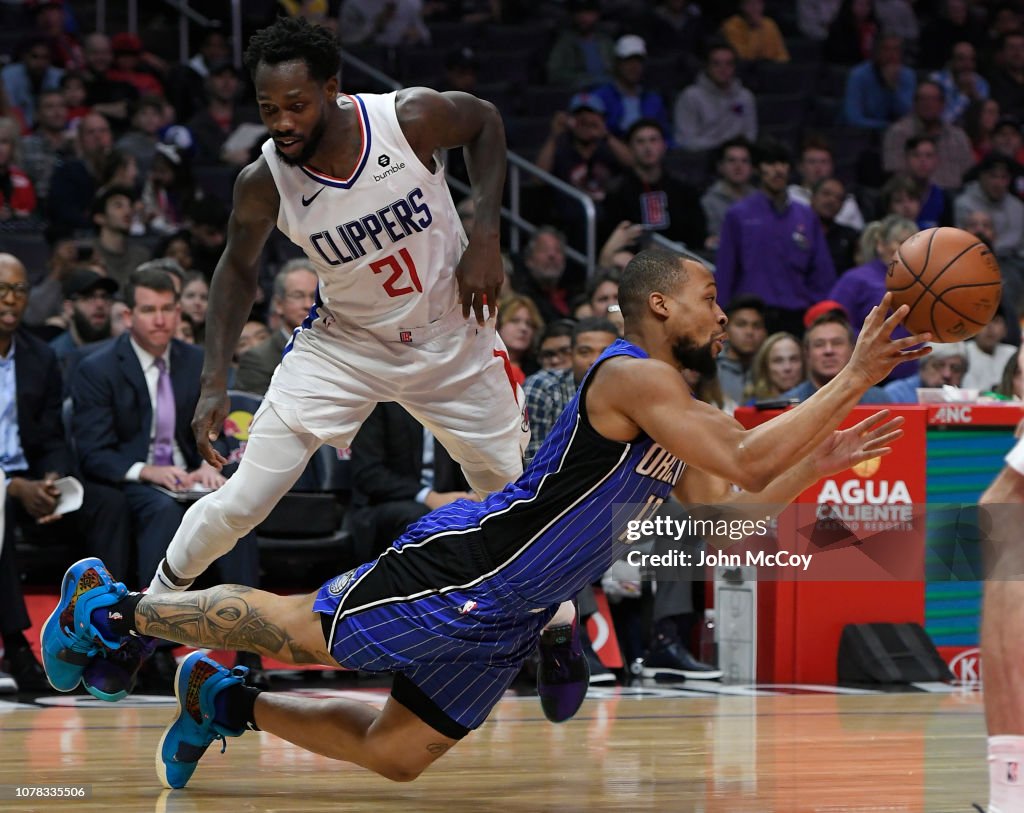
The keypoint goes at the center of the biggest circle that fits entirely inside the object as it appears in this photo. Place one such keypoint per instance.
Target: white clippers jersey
(386, 240)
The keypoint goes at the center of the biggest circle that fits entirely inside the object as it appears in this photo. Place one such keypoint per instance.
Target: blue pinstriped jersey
(554, 530)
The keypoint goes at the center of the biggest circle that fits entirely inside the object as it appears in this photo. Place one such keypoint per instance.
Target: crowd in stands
(794, 146)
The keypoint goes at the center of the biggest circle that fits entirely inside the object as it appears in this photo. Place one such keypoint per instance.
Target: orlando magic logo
(337, 587)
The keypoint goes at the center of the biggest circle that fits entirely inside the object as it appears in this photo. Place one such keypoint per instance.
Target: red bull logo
(236, 425)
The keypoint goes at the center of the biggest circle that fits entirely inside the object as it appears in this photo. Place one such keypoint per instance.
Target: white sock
(161, 584)
(1005, 774)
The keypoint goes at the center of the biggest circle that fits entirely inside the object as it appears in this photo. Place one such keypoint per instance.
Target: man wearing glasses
(33, 456)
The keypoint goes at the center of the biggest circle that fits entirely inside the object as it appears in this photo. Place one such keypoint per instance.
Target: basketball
(950, 280)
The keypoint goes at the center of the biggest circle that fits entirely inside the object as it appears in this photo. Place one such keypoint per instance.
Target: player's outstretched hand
(872, 437)
(877, 353)
(480, 276)
(211, 410)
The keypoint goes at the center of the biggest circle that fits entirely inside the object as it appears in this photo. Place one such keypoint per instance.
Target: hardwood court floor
(724, 749)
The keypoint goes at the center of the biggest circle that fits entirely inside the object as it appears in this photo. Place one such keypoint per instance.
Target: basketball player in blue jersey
(357, 182)
(456, 604)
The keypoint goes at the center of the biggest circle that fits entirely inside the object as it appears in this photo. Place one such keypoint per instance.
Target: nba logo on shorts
(1011, 772)
(405, 336)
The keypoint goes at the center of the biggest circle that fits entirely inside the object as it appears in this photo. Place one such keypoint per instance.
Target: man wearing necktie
(133, 403)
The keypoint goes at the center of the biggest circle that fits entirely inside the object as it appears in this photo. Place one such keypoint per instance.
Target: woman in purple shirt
(861, 288)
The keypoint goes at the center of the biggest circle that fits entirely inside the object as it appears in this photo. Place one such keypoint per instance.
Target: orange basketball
(950, 280)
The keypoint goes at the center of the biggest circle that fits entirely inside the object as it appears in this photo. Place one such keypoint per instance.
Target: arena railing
(518, 167)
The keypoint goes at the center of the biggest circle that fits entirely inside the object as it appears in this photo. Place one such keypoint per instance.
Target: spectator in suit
(73, 184)
(828, 346)
(133, 405)
(951, 143)
(400, 472)
(294, 293)
(716, 107)
(650, 196)
(625, 98)
(879, 91)
(34, 454)
(773, 247)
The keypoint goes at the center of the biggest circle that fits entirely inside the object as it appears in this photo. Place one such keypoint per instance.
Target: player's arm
(432, 121)
(232, 292)
(629, 396)
(709, 497)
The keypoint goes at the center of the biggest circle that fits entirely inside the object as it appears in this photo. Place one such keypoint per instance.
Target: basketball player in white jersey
(357, 182)
(1001, 517)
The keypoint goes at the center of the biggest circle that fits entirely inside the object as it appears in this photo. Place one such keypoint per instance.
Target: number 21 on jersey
(402, 278)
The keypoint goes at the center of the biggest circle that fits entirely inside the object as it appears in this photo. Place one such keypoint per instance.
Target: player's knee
(399, 772)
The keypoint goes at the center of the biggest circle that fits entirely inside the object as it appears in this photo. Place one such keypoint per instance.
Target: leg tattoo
(224, 617)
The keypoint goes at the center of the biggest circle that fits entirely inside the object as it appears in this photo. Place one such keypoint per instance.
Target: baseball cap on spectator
(126, 42)
(819, 309)
(629, 46)
(586, 101)
(464, 57)
(85, 280)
